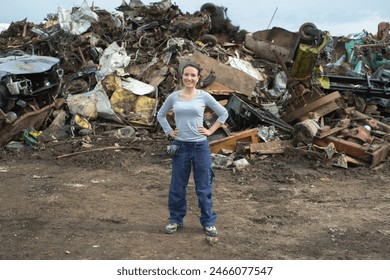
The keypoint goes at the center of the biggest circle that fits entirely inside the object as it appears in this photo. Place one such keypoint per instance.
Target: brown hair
(191, 64)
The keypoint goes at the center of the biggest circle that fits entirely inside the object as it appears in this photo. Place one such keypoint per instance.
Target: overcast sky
(341, 17)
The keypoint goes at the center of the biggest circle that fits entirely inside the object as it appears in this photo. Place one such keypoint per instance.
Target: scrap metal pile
(86, 71)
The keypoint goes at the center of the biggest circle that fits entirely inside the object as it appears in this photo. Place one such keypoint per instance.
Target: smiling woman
(192, 149)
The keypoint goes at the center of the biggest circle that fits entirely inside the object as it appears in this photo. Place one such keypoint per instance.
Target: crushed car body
(28, 83)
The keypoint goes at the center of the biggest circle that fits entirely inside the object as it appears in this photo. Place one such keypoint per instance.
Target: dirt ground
(112, 204)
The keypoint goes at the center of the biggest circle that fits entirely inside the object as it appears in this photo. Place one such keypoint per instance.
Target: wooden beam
(98, 150)
(230, 142)
(267, 148)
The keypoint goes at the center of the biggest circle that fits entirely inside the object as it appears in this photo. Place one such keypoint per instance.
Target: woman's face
(190, 77)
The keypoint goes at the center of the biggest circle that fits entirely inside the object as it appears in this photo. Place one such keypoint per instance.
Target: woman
(190, 137)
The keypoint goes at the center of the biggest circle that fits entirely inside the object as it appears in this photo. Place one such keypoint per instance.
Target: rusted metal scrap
(314, 108)
(373, 153)
(33, 119)
(358, 136)
(144, 31)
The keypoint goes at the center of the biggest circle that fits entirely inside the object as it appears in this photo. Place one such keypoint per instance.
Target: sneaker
(172, 227)
(211, 231)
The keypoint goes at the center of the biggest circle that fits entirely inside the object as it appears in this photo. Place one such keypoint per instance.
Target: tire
(303, 30)
(210, 7)
(209, 39)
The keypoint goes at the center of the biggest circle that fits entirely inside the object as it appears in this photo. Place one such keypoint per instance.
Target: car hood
(26, 64)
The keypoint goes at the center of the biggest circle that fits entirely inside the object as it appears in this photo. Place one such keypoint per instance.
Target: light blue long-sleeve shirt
(189, 114)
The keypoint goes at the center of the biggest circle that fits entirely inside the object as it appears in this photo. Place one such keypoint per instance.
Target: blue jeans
(195, 155)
